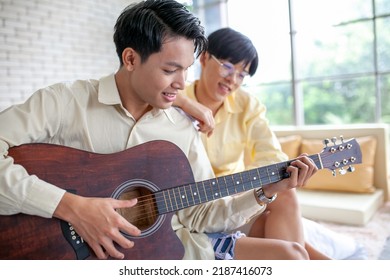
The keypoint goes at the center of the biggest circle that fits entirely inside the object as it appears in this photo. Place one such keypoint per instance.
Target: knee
(295, 251)
(288, 197)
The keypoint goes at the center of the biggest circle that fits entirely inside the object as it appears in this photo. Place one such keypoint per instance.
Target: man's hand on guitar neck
(300, 171)
(97, 222)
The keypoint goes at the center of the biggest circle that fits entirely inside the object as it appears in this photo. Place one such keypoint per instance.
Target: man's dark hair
(228, 44)
(145, 25)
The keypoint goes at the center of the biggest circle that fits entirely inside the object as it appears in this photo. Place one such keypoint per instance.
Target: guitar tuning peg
(326, 142)
(342, 171)
(342, 139)
(334, 139)
(334, 173)
(351, 168)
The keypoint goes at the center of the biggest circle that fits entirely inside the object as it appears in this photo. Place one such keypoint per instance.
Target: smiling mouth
(169, 97)
(224, 87)
(169, 94)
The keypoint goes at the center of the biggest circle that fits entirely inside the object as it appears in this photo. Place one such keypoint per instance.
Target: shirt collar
(231, 105)
(155, 112)
(108, 92)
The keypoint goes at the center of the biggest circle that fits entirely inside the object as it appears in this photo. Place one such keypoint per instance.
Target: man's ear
(129, 58)
(203, 57)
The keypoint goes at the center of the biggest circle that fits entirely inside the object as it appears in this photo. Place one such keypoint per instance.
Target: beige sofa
(355, 197)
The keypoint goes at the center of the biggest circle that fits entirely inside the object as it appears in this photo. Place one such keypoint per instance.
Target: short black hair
(145, 25)
(231, 45)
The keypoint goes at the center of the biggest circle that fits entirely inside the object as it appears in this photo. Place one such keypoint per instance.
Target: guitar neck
(188, 195)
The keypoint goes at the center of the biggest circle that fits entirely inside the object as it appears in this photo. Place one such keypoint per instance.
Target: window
(320, 61)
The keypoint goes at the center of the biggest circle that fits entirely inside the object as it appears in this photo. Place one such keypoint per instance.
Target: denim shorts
(224, 243)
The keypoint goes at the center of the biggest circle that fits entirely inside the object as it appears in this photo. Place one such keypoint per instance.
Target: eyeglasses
(227, 69)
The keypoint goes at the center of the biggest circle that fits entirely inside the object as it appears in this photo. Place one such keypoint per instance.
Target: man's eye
(169, 71)
(228, 67)
(243, 75)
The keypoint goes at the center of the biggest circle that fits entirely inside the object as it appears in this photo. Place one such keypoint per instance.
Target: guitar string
(154, 211)
(144, 200)
(148, 202)
(151, 202)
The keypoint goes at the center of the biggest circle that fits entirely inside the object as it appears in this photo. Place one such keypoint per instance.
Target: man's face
(158, 80)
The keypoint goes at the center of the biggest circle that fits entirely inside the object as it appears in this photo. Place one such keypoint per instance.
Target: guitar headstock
(341, 155)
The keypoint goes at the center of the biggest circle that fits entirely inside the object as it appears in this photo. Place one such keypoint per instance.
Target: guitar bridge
(75, 240)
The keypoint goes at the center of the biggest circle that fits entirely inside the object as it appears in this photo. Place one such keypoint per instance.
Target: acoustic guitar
(157, 173)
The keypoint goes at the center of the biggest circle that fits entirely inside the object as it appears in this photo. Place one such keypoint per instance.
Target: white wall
(48, 41)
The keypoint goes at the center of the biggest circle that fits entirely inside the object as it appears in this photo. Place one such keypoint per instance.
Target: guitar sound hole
(144, 215)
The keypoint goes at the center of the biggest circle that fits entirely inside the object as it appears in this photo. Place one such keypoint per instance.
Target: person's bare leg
(248, 248)
(314, 254)
(283, 220)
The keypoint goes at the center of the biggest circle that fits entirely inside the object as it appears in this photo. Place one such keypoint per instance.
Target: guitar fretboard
(184, 196)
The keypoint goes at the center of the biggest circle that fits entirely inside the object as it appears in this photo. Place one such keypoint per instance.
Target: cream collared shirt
(88, 115)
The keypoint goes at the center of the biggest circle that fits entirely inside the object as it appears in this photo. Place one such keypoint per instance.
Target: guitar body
(140, 170)
(157, 173)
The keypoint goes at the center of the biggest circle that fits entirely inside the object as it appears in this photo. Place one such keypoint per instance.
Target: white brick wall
(47, 41)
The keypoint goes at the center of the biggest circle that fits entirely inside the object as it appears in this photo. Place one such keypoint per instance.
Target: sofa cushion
(291, 145)
(340, 207)
(359, 181)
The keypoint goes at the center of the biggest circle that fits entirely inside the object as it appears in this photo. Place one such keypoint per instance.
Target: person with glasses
(237, 137)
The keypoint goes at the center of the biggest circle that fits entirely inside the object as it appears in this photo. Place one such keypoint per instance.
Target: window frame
(202, 6)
